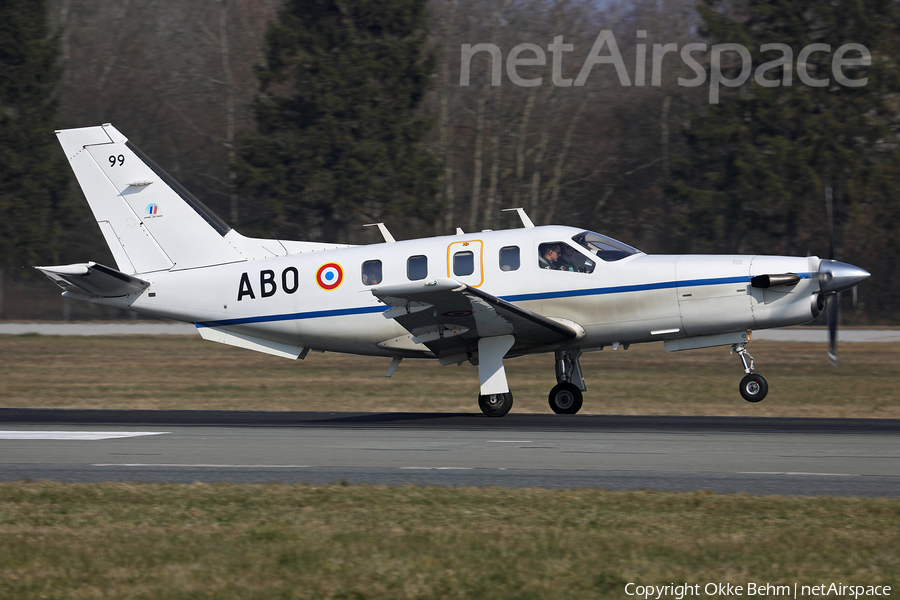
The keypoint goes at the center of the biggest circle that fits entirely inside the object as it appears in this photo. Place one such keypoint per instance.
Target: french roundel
(329, 276)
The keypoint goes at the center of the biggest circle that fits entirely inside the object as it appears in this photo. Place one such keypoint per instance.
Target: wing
(449, 318)
(92, 279)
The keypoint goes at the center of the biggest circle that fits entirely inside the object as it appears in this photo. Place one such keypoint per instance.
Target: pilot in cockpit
(549, 254)
(567, 260)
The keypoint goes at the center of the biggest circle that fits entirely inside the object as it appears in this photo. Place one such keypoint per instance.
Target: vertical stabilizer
(150, 222)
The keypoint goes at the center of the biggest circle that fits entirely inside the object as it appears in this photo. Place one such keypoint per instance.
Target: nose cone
(836, 276)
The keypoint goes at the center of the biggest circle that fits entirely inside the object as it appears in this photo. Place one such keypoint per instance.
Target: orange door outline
(477, 248)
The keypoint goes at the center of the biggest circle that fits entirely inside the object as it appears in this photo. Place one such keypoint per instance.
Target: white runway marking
(74, 435)
(437, 468)
(206, 465)
(798, 473)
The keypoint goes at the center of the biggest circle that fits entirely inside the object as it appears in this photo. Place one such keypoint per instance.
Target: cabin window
(417, 267)
(509, 258)
(464, 263)
(371, 272)
(559, 256)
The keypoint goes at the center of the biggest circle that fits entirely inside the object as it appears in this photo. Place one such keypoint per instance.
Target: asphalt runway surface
(758, 456)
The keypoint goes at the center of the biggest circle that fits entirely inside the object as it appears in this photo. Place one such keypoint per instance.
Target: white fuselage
(640, 298)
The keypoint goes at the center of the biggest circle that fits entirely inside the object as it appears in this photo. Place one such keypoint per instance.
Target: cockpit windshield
(605, 248)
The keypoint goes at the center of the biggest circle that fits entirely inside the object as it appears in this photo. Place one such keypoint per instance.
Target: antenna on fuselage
(275, 237)
(384, 231)
(526, 222)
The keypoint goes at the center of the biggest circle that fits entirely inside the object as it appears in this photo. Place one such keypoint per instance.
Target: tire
(754, 388)
(495, 405)
(565, 399)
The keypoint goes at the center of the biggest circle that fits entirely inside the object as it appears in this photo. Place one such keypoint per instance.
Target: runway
(837, 457)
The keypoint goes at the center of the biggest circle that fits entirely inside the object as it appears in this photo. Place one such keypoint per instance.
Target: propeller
(835, 277)
(832, 305)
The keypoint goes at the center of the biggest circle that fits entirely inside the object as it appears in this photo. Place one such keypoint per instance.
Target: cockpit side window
(605, 248)
(559, 256)
(371, 272)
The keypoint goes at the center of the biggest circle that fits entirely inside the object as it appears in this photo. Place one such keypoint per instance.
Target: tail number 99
(120, 159)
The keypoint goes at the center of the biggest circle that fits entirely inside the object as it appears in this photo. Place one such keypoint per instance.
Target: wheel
(495, 405)
(754, 388)
(565, 399)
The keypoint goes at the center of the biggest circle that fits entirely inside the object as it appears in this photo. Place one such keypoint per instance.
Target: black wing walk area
(92, 279)
(449, 318)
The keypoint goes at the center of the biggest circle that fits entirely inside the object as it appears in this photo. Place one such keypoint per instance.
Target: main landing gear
(566, 397)
(495, 405)
(753, 387)
(496, 400)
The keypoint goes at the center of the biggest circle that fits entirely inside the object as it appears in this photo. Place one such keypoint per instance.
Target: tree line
(306, 119)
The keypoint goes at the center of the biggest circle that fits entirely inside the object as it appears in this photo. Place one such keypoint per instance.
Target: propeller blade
(829, 211)
(831, 310)
(835, 277)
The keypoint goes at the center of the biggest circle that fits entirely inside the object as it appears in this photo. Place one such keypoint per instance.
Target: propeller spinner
(835, 276)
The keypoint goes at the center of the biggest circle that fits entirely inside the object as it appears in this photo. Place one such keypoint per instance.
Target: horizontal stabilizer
(92, 279)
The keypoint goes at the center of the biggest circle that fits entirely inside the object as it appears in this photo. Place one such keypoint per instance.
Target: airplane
(469, 297)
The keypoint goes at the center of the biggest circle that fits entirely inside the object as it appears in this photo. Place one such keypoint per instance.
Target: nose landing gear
(753, 387)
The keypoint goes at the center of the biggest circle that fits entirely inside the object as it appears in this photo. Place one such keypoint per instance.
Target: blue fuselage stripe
(644, 287)
(341, 312)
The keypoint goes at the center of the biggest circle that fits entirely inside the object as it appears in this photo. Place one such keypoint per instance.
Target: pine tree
(32, 175)
(757, 164)
(341, 131)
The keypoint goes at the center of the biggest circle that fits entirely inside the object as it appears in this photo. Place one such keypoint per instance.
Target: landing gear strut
(566, 397)
(753, 387)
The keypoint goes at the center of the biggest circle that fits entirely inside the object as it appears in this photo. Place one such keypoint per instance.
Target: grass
(298, 541)
(184, 372)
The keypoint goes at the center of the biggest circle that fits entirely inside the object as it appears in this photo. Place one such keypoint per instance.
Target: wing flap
(449, 318)
(93, 279)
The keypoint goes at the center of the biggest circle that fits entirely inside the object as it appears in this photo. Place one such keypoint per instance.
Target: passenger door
(465, 262)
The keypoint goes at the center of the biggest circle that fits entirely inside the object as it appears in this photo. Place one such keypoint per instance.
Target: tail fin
(150, 222)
